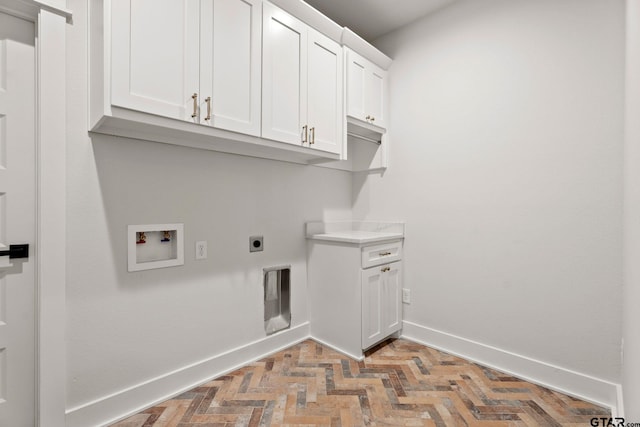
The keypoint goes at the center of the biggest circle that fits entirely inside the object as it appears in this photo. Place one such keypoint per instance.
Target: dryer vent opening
(277, 300)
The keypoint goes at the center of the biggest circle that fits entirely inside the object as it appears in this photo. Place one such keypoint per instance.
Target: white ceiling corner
(373, 18)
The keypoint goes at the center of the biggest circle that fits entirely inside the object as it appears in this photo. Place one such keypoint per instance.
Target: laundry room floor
(400, 383)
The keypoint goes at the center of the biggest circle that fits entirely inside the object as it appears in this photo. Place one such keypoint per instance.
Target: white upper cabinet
(230, 62)
(284, 77)
(236, 76)
(325, 93)
(302, 84)
(154, 52)
(193, 60)
(366, 90)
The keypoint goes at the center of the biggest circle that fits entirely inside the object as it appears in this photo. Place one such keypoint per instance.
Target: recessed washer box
(155, 246)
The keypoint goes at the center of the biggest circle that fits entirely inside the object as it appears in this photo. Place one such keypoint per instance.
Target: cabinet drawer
(381, 254)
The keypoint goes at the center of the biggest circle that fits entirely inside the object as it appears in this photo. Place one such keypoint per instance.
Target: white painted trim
(618, 411)
(563, 380)
(364, 48)
(132, 400)
(338, 349)
(312, 17)
(51, 217)
(49, 6)
(29, 9)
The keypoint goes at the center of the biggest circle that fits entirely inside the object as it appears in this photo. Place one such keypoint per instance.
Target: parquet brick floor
(400, 383)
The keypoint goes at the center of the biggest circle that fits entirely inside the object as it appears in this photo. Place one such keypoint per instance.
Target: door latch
(16, 251)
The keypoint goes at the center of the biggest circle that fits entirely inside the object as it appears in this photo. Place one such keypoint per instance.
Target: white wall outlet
(201, 249)
(406, 296)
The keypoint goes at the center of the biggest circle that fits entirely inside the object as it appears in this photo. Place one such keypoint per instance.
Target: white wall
(506, 164)
(631, 367)
(124, 328)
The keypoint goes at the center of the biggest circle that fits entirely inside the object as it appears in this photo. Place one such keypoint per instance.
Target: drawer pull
(385, 253)
(385, 269)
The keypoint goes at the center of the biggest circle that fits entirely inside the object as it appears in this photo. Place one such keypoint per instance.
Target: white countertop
(355, 232)
(356, 236)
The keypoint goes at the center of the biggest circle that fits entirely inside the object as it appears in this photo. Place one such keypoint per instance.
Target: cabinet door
(154, 62)
(284, 76)
(356, 85)
(376, 95)
(392, 299)
(230, 64)
(324, 82)
(372, 303)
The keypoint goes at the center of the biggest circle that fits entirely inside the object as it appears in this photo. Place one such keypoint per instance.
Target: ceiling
(372, 18)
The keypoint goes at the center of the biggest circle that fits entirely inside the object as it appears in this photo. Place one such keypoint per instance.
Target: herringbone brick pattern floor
(400, 383)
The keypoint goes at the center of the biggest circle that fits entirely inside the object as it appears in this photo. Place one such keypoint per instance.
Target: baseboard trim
(338, 349)
(618, 411)
(581, 386)
(117, 406)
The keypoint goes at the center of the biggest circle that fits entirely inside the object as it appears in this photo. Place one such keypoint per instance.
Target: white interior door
(17, 221)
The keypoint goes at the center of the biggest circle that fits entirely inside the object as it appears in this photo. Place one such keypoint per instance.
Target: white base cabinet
(381, 302)
(354, 293)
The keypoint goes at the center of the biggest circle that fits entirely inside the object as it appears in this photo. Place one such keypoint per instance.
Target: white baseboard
(618, 411)
(132, 400)
(338, 349)
(581, 386)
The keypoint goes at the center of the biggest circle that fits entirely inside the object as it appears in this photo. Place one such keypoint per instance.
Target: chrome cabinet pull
(313, 136)
(304, 133)
(195, 105)
(208, 101)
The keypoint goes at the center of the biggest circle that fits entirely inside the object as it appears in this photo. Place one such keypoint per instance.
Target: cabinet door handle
(313, 136)
(195, 105)
(385, 253)
(208, 101)
(385, 269)
(373, 118)
(367, 118)
(304, 133)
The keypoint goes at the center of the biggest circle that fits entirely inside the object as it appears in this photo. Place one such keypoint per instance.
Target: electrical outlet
(201, 249)
(256, 244)
(406, 296)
